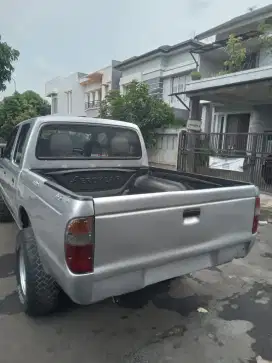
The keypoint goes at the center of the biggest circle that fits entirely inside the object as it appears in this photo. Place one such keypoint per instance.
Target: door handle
(189, 213)
(12, 179)
(191, 216)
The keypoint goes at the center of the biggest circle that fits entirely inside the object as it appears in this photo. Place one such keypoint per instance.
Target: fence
(2, 146)
(245, 157)
(165, 151)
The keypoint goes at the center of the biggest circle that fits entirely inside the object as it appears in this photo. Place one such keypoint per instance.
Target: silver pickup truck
(96, 221)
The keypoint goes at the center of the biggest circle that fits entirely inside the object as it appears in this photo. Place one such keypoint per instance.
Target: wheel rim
(22, 272)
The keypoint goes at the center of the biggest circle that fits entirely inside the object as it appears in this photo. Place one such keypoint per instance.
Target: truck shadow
(158, 294)
(7, 265)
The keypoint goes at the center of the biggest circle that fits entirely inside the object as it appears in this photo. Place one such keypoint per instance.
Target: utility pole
(15, 88)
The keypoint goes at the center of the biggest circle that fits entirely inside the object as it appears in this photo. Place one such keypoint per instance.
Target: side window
(21, 143)
(10, 143)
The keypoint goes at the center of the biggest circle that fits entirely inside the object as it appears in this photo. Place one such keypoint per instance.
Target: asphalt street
(218, 315)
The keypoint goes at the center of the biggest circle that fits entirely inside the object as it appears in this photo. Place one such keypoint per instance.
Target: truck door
(16, 162)
(4, 167)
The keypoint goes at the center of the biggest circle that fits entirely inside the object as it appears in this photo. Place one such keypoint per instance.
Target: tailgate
(133, 232)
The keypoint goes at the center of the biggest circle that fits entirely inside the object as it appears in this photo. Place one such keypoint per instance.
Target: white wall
(180, 58)
(143, 67)
(146, 70)
(179, 63)
(165, 152)
(167, 90)
(265, 58)
(61, 85)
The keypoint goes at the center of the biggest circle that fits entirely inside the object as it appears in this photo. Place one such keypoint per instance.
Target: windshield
(79, 141)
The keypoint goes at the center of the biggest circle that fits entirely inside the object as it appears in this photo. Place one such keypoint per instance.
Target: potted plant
(195, 76)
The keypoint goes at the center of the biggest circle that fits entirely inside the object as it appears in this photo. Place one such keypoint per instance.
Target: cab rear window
(79, 141)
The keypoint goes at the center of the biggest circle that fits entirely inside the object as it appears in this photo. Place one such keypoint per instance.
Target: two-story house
(242, 100)
(80, 94)
(166, 70)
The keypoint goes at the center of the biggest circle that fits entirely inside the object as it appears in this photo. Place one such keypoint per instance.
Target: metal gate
(242, 156)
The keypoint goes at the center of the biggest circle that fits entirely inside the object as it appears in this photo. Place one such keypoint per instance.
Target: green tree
(236, 54)
(8, 55)
(19, 107)
(265, 37)
(139, 107)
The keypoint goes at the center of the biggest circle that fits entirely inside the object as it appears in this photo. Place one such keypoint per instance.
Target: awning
(222, 43)
(251, 87)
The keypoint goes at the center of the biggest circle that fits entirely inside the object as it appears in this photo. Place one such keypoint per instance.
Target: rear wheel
(5, 215)
(38, 292)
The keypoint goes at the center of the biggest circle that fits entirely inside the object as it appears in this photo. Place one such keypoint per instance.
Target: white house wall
(165, 152)
(127, 78)
(107, 75)
(145, 66)
(64, 84)
(178, 59)
(265, 58)
(167, 84)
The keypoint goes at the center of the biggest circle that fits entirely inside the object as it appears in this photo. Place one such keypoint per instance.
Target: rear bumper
(90, 288)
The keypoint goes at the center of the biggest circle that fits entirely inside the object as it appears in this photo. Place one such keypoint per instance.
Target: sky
(58, 37)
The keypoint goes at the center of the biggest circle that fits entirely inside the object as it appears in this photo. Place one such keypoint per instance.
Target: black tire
(40, 295)
(5, 215)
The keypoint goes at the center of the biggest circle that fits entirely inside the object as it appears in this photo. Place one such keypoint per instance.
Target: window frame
(24, 143)
(15, 129)
(180, 87)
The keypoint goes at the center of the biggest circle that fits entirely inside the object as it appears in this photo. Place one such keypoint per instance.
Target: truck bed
(101, 182)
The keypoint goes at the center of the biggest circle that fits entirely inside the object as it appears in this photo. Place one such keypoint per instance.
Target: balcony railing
(92, 104)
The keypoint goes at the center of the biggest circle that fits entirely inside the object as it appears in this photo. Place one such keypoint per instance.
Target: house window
(99, 95)
(125, 89)
(88, 98)
(69, 102)
(106, 89)
(178, 85)
(54, 104)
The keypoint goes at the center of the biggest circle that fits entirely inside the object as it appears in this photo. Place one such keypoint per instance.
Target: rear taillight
(256, 217)
(79, 245)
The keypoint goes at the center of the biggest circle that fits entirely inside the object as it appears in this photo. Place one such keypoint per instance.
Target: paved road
(159, 324)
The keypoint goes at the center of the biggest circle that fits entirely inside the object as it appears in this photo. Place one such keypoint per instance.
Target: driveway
(159, 324)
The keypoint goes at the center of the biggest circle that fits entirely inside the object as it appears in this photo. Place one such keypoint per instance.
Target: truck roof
(73, 119)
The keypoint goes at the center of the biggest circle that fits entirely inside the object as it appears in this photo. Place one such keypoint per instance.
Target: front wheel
(38, 292)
